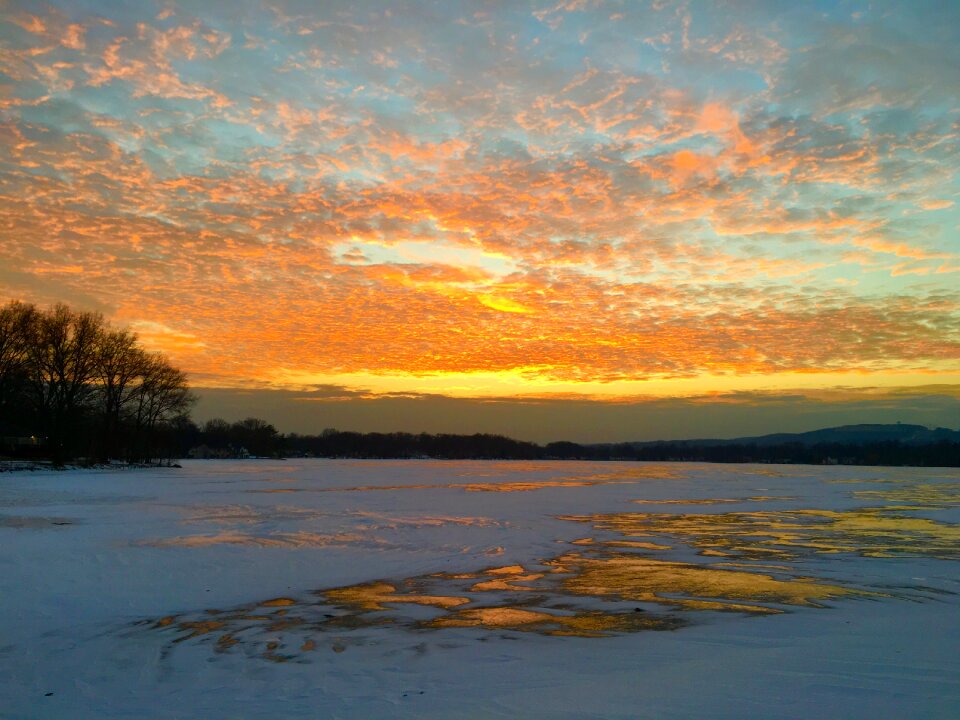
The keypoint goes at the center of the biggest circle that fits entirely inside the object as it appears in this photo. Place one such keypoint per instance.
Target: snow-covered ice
(480, 589)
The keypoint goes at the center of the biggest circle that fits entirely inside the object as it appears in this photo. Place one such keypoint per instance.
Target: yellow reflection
(374, 596)
(523, 486)
(585, 624)
(627, 476)
(201, 627)
(507, 583)
(874, 532)
(548, 602)
(942, 495)
(647, 580)
(715, 501)
(492, 617)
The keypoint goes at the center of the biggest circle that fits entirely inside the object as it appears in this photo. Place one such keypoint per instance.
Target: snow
(481, 589)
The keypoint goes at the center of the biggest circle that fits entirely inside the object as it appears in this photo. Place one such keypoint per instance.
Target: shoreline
(10, 466)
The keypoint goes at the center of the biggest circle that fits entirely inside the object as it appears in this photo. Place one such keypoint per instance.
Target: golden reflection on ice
(629, 475)
(575, 594)
(468, 487)
(689, 586)
(201, 627)
(374, 596)
(507, 583)
(632, 573)
(487, 599)
(587, 624)
(941, 495)
(715, 501)
(869, 532)
(524, 486)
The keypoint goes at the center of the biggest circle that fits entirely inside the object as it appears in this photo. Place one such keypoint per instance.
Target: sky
(582, 219)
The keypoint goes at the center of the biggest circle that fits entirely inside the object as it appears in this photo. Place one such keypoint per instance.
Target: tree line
(218, 438)
(334, 443)
(72, 386)
(944, 453)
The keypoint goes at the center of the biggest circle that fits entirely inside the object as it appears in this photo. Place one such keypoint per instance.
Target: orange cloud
(329, 208)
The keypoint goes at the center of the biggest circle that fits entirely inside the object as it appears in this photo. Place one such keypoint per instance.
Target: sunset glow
(580, 199)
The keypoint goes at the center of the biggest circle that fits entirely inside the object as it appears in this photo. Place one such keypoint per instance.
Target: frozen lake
(480, 589)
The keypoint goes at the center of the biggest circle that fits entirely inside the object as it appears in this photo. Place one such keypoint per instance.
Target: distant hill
(844, 434)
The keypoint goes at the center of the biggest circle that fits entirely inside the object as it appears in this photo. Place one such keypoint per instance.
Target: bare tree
(89, 389)
(121, 365)
(162, 396)
(61, 368)
(17, 326)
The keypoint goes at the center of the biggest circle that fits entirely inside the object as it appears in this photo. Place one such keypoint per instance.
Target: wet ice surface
(322, 588)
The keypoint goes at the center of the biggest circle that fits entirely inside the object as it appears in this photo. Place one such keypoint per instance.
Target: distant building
(18, 442)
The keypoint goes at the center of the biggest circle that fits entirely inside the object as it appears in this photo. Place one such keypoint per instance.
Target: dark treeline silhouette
(253, 437)
(333, 443)
(937, 454)
(73, 387)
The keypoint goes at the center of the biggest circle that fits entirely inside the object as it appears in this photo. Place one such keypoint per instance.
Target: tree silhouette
(82, 388)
